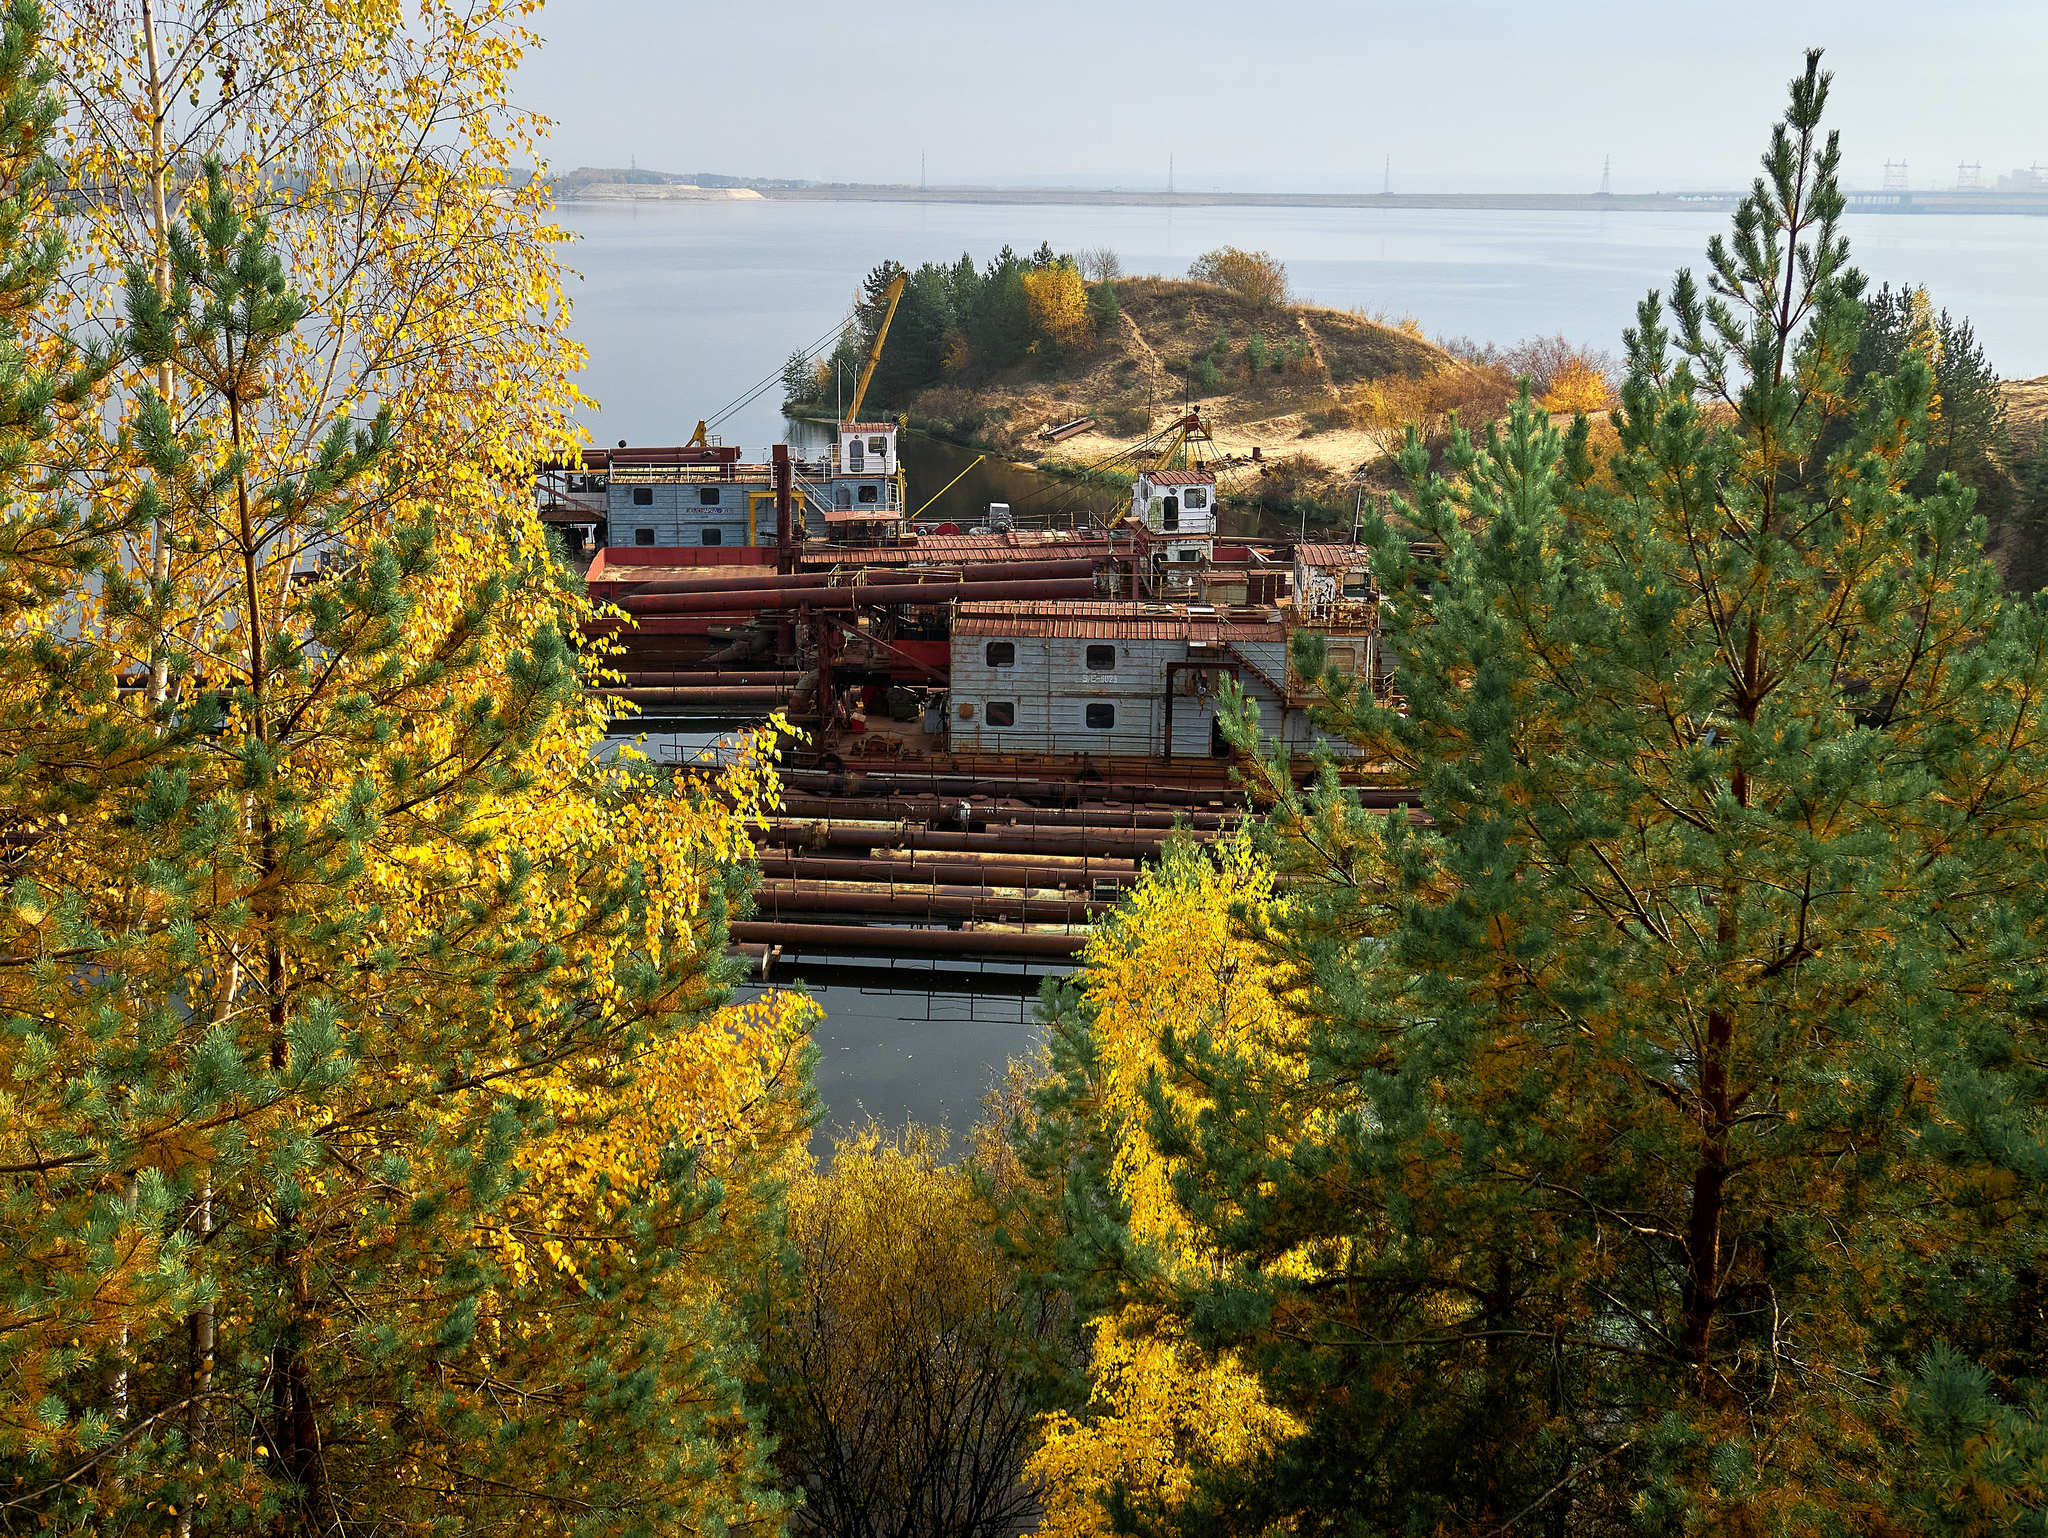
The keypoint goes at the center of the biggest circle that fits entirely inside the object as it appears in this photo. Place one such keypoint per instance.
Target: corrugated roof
(1333, 555)
(862, 515)
(1180, 477)
(1104, 620)
(869, 427)
(957, 548)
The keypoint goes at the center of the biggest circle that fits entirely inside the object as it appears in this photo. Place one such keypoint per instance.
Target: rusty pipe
(755, 577)
(944, 811)
(937, 902)
(867, 595)
(900, 874)
(1065, 790)
(1125, 844)
(683, 678)
(859, 939)
(723, 697)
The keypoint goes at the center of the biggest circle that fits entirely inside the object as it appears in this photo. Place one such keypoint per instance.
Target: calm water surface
(687, 307)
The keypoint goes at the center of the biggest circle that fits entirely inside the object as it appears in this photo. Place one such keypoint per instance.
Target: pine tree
(375, 1153)
(1648, 1115)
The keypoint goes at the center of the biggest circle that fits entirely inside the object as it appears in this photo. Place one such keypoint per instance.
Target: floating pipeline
(945, 811)
(754, 600)
(788, 895)
(1069, 790)
(722, 700)
(1122, 844)
(911, 875)
(866, 940)
(624, 592)
(689, 678)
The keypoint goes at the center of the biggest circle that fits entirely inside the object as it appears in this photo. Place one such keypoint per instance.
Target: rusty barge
(1002, 723)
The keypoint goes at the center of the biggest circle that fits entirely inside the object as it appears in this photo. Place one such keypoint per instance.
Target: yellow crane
(1187, 432)
(867, 374)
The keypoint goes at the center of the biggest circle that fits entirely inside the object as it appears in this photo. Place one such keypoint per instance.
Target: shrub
(1256, 276)
(1544, 359)
(1576, 387)
(903, 1371)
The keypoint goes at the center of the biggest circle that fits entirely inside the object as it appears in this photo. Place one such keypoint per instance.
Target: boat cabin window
(1102, 659)
(643, 496)
(1196, 497)
(714, 536)
(643, 536)
(1002, 712)
(1189, 555)
(867, 493)
(878, 445)
(842, 499)
(707, 496)
(1000, 654)
(1101, 717)
(1169, 513)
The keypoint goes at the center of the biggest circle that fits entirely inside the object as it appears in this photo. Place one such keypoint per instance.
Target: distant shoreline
(1965, 202)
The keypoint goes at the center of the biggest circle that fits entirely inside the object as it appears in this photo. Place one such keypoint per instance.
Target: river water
(686, 308)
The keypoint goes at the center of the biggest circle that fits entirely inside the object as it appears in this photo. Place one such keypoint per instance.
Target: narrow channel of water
(900, 1052)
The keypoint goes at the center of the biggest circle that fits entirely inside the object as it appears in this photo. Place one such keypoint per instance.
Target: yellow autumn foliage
(390, 178)
(1057, 300)
(1577, 387)
(1169, 960)
(896, 1364)
(419, 1161)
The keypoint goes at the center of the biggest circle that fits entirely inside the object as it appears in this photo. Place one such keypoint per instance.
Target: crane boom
(1190, 429)
(867, 374)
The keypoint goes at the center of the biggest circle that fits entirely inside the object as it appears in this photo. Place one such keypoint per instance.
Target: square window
(643, 536)
(714, 536)
(1002, 712)
(1189, 555)
(707, 496)
(1196, 498)
(643, 496)
(878, 445)
(867, 493)
(1101, 717)
(1102, 659)
(1000, 654)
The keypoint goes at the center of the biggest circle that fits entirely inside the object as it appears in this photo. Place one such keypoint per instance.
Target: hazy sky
(1294, 94)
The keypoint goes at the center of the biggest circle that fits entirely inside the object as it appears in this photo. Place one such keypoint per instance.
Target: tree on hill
(375, 1153)
(1258, 277)
(1652, 1142)
(1058, 305)
(1099, 264)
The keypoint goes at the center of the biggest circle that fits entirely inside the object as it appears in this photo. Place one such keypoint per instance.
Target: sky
(1294, 95)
